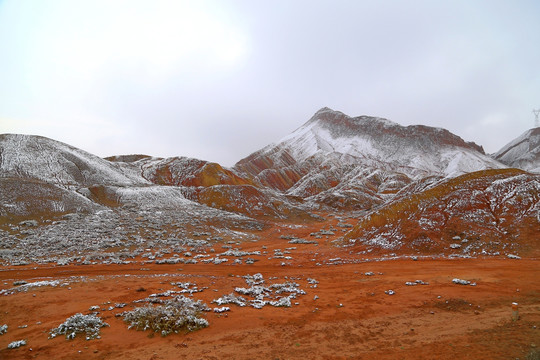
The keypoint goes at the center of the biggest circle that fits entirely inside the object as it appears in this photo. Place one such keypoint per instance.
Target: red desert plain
(346, 304)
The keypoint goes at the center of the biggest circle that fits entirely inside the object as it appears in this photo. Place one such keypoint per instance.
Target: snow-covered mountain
(416, 151)
(212, 185)
(416, 189)
(338, 157)
(44, 177)
(522, 152)
(333, 161)
(51, 161)
(177, 171)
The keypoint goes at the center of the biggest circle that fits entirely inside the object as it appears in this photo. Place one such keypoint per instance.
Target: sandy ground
(352, 318)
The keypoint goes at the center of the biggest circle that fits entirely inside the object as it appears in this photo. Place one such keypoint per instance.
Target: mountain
(522, 152)
(177, 171)
(212, 185)
(485, 212)
(41, 177)
(36, 157)
(44, 177)
(414, 189)
(334, 158)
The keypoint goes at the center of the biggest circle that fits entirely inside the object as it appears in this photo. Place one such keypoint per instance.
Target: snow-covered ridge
(522, 152)
(371, 141)
(27, 156)
(52, 177)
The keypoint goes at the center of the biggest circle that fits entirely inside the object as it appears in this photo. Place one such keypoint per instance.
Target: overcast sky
(217, 80)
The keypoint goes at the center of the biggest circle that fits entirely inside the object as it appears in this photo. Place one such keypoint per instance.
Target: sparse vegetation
(180, 314)
(16, 344)
(231, 299)
(78, 324)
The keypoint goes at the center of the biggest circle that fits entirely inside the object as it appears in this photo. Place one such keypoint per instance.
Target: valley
(350, 238)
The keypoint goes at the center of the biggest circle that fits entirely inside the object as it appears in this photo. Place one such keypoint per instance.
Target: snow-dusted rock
(463, 282)
(16, 344)
(522, 152)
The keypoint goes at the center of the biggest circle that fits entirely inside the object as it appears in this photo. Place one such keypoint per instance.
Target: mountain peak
(324, 110)
(414, 150)
(333, 118)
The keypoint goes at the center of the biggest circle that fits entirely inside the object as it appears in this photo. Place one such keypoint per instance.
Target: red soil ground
(353, 317)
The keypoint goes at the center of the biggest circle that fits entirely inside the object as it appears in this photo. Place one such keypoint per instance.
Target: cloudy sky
(218, 80)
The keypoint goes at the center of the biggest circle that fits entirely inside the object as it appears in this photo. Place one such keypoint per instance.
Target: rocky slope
(40, 176)
(30, 198)
(522, 152)
(212, 185)
(178, 171)
(485, 212)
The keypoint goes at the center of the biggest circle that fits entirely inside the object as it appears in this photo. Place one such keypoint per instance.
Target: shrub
(178, 314)
(79, 323)
(230, 299)
(16, 344)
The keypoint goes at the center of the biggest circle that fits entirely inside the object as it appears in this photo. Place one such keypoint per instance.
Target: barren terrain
(352, 238)
(347, 311)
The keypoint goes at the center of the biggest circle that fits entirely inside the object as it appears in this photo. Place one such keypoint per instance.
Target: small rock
(222, 309)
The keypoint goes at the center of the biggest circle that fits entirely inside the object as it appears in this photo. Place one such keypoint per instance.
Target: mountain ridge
(372, 141)
(401, 189)
(523, 152)
(333, 161)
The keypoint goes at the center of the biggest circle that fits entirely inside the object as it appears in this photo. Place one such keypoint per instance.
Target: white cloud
(213, 79)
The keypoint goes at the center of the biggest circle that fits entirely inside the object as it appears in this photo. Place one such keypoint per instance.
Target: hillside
(212, 185)
(483, 213)
(36, 157)
(522, 152)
